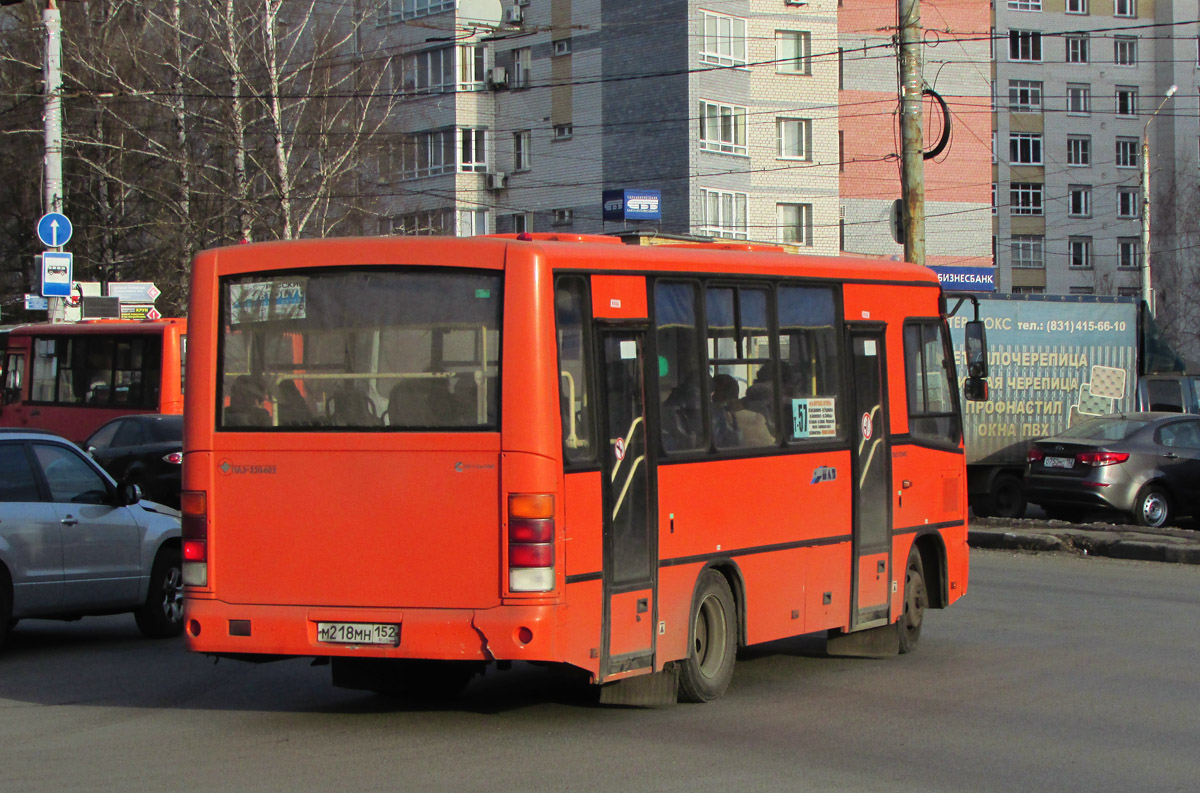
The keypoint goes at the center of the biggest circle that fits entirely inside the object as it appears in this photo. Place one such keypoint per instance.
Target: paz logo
(823, 473)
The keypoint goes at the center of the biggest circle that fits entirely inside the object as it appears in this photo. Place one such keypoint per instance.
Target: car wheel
(161, 616)
(1152, 507)
(708, 668)
(6, 605)
(916, 600)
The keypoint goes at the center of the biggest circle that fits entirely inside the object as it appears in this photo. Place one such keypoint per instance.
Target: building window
(1127, 97)
(1025, 45)
(793, 52)
(1024, 5)
(795, 138)
(562, 47)
(472, 222)
(1079, 201)
(1025, 96)
(1029, 290)
(1079, 150)
(428, 72)
(1129, 291)
(1128, 202)
(1077, 6)
(1129, 252)
(1025, 198)
(430, 221)
(993, 198)
(516, 223)
(563, 131)
(1079, 99)
(1125, 8)
(522, 149)
(1125, 51)
(1127, 152)
(724, 40)
(522, 65)
(563, 217)
(411, 9)
(471, 75)
(722, 128)
(723, 214)
(1077, 49)
(1029, 252)
(1081, 290)
(1080, 252)
(428, 154)
(795, 223)
(1025, 148)
(472, 150)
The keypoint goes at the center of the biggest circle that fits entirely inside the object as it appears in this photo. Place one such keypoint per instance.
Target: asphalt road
(1055, 674)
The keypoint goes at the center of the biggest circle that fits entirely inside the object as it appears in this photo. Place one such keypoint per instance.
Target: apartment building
(727, 109)
(1077, 86)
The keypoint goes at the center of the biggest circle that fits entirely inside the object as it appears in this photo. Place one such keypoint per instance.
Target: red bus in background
(419, 456)
(72, 377)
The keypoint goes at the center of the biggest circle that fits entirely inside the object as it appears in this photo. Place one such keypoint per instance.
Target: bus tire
(161, 616)
(708, 668)
(916, 601)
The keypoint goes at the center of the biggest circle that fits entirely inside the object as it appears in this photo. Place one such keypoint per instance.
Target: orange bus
(415, 457)
(72, 377)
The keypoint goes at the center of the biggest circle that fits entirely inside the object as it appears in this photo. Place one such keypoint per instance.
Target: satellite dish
(479, 12)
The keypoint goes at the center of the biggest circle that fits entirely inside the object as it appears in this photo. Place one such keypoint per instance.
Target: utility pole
(1147, 288)
(912, 154)
(52, 124)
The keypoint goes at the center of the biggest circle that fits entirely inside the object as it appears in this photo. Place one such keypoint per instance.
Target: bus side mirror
(975, 389)
(976, 341)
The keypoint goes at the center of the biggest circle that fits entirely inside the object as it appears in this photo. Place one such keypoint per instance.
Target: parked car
(144, 449)
(1145, 465)
(74, 543)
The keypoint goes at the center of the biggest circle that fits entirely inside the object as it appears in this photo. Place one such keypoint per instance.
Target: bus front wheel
(916, 600)
(708, 668)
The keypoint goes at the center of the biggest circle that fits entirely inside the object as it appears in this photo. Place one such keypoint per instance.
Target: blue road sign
(54, 230)
(56, 274)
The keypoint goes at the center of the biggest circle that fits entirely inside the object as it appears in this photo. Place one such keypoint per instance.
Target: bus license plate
(1060, 462)
(358, 633)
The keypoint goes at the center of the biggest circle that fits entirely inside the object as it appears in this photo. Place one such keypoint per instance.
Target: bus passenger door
(629, 539)
(871, 457)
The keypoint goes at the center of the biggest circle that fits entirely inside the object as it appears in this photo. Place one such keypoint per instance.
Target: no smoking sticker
(866, 426)
(619, 449)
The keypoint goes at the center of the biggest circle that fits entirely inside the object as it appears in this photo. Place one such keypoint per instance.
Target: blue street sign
(56, 274)
(54, 230)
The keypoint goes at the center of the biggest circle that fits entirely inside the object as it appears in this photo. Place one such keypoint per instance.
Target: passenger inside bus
(733, 425)
(682, 420)
(245, 404)
(351, 407)
(291, 406)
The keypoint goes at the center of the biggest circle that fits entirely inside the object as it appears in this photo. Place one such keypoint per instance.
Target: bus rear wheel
(916, 600)
(708, 668)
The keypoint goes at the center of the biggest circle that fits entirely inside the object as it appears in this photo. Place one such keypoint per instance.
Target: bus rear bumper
(506, 632)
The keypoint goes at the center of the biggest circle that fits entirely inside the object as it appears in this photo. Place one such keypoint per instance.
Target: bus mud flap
(656, 690)
(881, 642)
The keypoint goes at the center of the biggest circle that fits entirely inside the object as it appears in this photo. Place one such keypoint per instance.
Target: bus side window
(931, 408)
(680, 397)
(809, 372)
(575, 407)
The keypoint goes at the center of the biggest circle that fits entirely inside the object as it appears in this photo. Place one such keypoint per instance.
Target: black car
(144, 449)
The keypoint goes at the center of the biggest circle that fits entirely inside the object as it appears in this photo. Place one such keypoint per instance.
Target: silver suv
(74, 543)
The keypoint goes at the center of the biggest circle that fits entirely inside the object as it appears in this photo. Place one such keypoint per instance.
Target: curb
(1178, 552)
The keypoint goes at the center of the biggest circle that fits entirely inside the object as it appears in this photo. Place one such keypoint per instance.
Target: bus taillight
(194, 506)
(531, 543)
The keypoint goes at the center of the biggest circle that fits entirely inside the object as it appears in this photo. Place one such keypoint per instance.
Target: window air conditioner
(512, 14)
(497, 181)
(499, 77)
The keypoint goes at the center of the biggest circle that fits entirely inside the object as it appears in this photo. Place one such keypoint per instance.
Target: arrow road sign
(54, 230)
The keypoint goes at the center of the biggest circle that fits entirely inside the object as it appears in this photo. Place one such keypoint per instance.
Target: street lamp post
(1147, 289)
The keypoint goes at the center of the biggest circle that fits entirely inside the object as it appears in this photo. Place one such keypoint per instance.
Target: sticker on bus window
(814, 417)
(482, 293)
(628, 350)
(259, 301)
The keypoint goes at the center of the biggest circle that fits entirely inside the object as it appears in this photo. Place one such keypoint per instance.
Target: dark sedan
(144, 449)
(1145, 465)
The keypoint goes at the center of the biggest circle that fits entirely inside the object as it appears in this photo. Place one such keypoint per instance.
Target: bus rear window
(361, 349)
